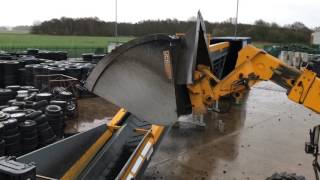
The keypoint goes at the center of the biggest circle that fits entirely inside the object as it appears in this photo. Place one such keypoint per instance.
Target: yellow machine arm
(253, 65)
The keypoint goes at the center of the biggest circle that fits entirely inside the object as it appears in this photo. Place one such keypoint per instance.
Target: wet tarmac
(258, 137)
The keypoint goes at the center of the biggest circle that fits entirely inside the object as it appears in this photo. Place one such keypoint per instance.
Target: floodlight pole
(116, 21)
(236, 25)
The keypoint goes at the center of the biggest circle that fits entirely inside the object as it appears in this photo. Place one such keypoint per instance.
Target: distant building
(315, 37)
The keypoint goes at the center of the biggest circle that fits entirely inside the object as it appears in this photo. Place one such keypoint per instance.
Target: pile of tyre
(94, 58)
(23, 71)
(30, 120)
(10, 70)
(40, 54)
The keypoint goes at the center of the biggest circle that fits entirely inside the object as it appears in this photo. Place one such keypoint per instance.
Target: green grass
(74, 45)
(47, 41)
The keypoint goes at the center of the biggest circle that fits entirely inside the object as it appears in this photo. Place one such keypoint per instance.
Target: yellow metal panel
(302, 86)
(79, 166)
(312, 99)
(118, 117)
(156, 132)
(153, 137)
(196, 95)
(251, 63)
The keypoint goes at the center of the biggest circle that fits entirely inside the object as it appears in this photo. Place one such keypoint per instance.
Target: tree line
(259, 31)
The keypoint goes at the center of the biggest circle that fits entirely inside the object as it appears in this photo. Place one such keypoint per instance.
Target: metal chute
(148, 76)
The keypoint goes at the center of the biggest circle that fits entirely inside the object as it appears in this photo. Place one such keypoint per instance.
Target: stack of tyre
(55, 118)
(71, 103)
(12, 137)
(10, 72)
(52, 55)
(14, 71)
(29, 136)
(45, 133)
(76, 70)
(6, 95)
(94, 58)
(2, 142)
(23, 69)
(42, 100)
(31, 119)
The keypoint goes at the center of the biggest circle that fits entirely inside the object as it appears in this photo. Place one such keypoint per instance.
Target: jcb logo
(167, 64)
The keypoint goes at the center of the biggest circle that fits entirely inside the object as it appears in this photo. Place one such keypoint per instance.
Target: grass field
(75, 45)
(23, 40)
(30, 40)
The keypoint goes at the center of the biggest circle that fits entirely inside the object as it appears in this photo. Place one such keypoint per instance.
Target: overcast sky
(26, 12)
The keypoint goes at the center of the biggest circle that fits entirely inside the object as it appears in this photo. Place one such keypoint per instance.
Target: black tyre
(13, 149)
(46, 134)
(33, 115)
(41, 119)
(29, 134)
(2, 144)
(2, 148)
(62, 104)
(28, 111)
(30, 104)
(10, 109)
(7, 94)
(26, 88)
(11, 101)
(19, 104)
(27, 126)
(10, 132)
(58, 115)
(53, 110)
(29, 140)
(57, 120)
(13, 87)
(4, 116)
(10, 124)
(41, 105)
(65, 95)
(43, 126)
(43, 96)
(71, 109)
(35, 90)
(56, 70)
(3, 106)
(87, 57)
(21, 97)
(74, 72)
(19, 116)
(12, 139)
(31, 97)
(1, 130)
(10, 72)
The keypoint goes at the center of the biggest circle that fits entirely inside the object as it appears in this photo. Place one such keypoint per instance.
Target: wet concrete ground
(92, 113)
(263, 135)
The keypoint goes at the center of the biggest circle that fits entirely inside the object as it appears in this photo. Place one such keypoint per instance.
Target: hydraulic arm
(254, 65)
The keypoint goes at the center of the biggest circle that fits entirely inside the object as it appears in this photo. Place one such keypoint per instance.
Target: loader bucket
(148, 76)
